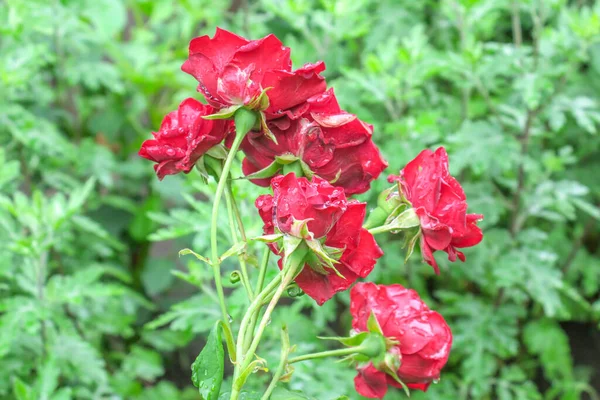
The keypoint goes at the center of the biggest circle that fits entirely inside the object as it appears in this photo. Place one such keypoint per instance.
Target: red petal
(370, 382)
(473, 234)
(322, 287)
(266, 54)
(292, 88)
(428, 255)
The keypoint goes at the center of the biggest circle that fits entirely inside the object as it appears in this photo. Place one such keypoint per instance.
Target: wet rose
(423, 336)
(332, 220)
(329, 143)
(441, 205)
(232, 70)
(184, 136)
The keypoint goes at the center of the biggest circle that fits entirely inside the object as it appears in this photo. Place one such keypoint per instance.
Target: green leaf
(225, 113)
(373, 324)
(21, 390)
(350, 341)
(267, 172)
(233, 250)
(185, 252)
(207, 370)
(546, 339)
(283, 394)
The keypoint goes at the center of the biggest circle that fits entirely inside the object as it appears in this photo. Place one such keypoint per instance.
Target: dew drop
(230, 318)
(170, 152)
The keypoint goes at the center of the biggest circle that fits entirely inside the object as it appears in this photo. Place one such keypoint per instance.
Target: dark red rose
(332, 143)
(184, 136)
(234, 71)
(423, 335)
(440, 203)
(334, 218)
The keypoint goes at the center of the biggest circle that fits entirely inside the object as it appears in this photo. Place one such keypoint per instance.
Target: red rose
(331, 218)
(184, 136)
(440, 203)
(423, 335)
(234, 71)
(332, 143)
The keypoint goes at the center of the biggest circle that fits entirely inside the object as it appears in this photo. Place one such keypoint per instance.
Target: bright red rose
(331, 217)
(332, 143)
(234, 71)
(423, 335)
(440, 203)
(184, 136)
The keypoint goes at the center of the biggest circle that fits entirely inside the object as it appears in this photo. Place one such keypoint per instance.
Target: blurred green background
(95, 303)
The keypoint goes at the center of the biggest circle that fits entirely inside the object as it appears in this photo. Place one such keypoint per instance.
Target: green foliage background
(94, 302)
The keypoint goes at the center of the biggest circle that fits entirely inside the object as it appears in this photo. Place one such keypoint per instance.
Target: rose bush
(297, 140)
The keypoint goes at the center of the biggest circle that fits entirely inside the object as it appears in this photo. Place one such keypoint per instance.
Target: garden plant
(350, 199)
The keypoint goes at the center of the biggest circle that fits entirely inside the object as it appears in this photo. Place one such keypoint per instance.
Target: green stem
(263, 269)
(214, 224)
(234, 236)
(379, 229)
(329, 353)
(281, 282)
(259, 285)
(285, 351)
(252, 310)
(238, 216)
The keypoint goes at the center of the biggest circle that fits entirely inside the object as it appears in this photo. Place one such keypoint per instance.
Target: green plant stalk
(263, 269)
(253, 309)
(234, 236)
(285, 351)
(329, 353)
(259, 285)
(216, 265)
(282, 280)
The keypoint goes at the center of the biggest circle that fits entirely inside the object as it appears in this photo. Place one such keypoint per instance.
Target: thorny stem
(234, 236)
(216, 265)
(245, 357)
(259, 285)
(252, 310)
(283, 361)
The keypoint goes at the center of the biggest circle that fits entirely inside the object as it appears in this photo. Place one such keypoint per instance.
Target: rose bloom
(423, 335)
(334, 145)
(332, 218)
(441, 204)
(184, 136)
(232, 70)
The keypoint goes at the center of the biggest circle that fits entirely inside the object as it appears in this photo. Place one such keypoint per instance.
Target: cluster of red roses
(301, 128)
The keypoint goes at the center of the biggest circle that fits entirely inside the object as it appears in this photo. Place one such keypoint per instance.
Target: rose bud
(440, 204)
(324, 141)
(234, 71)
(316, 214)
(422, 339)
(184, 136)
